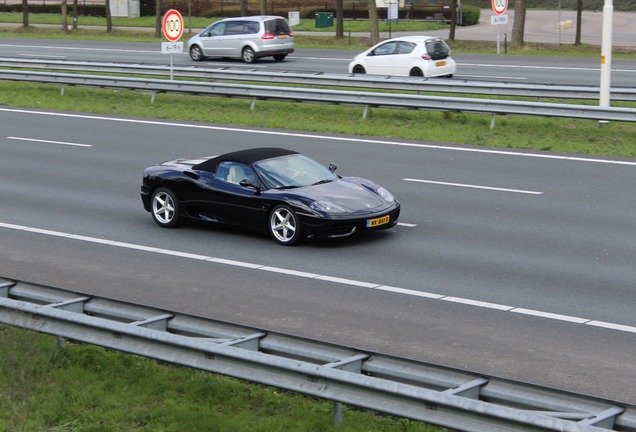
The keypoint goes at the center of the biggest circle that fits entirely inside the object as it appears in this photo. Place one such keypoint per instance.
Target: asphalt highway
(513, 264)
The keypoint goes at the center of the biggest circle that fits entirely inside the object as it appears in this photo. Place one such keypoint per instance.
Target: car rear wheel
(280, 57)
(165, 208)
(284, 225)
(195, 53)
(357, 69)
(416, 72)
(248, 55)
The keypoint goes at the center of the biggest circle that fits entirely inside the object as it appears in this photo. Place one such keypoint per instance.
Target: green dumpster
(324, 19)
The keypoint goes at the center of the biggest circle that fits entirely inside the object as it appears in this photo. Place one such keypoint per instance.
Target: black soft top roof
(246, 157)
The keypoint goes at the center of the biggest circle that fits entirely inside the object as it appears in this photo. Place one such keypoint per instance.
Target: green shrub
(470, 15)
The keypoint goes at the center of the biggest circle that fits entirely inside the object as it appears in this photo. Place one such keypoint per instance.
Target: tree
(263, 4)
(451, 34)
(339, 19)
(243, 7)
(579, 14)
(373, 21)
(64, 8)
(158, 7)
(518, 27)
(109, 18)
(75, 13)
(25, 13)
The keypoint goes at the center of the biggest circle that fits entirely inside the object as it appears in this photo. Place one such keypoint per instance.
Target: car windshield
(292, 171)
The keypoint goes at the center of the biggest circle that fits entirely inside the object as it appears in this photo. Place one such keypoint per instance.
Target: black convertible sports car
(268, 190)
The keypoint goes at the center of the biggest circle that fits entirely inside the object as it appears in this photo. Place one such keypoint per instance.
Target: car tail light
(268, 36)
(426, 57)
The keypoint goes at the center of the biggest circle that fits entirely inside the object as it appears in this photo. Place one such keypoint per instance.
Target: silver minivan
(249, 38)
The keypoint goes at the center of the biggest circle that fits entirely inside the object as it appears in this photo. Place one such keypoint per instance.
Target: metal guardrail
(537, 91)
(405, 388)
(329, 96)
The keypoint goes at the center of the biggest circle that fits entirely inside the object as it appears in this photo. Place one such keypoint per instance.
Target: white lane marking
(498, 78)
(327, 278)
(319, 137)
(78, 48)
(407, 225)
(49, 141)
(473, 186)
(559, 68)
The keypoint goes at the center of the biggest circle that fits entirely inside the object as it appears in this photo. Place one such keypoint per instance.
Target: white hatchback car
(425, 56)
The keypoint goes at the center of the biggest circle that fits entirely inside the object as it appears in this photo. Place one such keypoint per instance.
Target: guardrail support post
(337, 414)
(366, 110)
(152, 96)
(492, 121)
(253, 104)
(62, 90)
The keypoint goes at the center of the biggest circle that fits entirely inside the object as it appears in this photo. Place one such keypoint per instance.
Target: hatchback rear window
(277, 27)
(437, 49)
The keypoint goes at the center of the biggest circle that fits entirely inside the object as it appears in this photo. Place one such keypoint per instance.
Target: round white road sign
(499, 6)
(172, 25)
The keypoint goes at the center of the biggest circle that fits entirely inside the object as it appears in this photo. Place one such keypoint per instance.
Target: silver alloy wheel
(248, 55)
(165, 208)
(195, 53)
(283, 225)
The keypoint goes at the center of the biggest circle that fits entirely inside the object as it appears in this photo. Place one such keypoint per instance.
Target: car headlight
(326, 207)
(386, 195)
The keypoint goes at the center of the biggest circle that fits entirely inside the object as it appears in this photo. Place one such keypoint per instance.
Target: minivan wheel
(195, 53)
(280, 57)
(284, 225)
(358, 69)
(416, 72)
(248, 55)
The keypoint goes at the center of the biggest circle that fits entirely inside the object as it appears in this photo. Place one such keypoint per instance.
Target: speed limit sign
(499, 6)
(172, 25)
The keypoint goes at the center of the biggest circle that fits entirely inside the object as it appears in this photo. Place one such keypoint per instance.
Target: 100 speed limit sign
(499, 6)
(172, 25)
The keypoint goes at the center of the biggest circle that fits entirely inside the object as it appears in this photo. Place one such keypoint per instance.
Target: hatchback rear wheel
(416, 72)
(280, 57)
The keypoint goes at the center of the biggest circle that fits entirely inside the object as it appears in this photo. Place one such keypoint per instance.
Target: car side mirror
(333, 167)
(248, 184)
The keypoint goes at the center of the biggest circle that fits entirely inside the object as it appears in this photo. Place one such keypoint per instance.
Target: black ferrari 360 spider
(270, 190)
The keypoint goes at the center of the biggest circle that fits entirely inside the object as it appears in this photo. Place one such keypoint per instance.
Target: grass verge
(84, 388)
(535, 133)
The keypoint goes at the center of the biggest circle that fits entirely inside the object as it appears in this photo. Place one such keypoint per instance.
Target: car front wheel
(165, 208)
(195, 53)
(357, 69)
(284, 225)
(248, 55)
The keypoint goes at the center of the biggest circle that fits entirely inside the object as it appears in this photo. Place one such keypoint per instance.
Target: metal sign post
(499, 7)
(172, 28)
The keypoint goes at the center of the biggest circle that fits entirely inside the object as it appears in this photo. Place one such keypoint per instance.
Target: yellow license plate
(282, 36)
(378, 221)
(440, 64)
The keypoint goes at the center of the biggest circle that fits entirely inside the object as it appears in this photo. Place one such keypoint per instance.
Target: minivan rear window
(277, 27)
